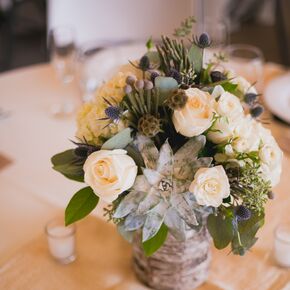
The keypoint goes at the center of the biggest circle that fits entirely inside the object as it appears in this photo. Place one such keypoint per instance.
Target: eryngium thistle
(217, 76)
(203, 41)
(154, 75)
(256, 111)
(149, 125)
(250, 98)
(175, 74)
(144, 63)
(177, 100)
(242, 213)
(113, 113)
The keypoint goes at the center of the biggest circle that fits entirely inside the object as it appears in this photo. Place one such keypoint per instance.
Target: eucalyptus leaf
(65, 157)
(119, 141)
(221, 230)
(152, 245)
(81, 204)
(195, 55)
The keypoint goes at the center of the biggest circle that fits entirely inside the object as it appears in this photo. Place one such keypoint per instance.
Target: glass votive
(282, 245)
(61, 240)
(246, 61)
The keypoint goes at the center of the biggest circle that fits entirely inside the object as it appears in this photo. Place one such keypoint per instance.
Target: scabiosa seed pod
(177, 100)
(113, 113)
(271, 195)
(144, 63)
(242, 213)
(139, 84)
(217, 76)
(204, 40)
(256, 111)
(250, 98)
(148, 85)
(149, 125)
(127, 89)
(175, 74)
(154, 75)
(130, 80)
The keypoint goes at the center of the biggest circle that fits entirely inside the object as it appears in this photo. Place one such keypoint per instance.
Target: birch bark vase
(176, 265)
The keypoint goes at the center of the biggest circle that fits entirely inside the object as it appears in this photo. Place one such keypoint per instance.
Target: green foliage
(81, 204)
(221, 229)
(153, 244)
(149, 43)
(195, 56)
(229, 87)
(248, 185)
(173, 54)
(245, 233)
(68, 164)
(185, 27)
(119, 141)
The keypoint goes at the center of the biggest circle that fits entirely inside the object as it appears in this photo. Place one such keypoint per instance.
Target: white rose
(229, 106)
(210, 186)
(243, 85)
(246, 137)
(196, 116)
(109, 173)
(222, 130)
(271, 174)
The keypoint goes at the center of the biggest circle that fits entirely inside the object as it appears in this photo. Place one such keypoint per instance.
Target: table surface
(31, 193)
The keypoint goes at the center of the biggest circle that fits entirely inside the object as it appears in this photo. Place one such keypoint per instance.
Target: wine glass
(63, 58)
(247, 61)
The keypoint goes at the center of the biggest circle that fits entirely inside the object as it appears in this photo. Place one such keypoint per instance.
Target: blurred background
(25, 24)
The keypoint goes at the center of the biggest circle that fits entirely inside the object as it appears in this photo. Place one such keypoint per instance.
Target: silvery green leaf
(134, 222)
(154, 221)
(202, 162)
(119, 141)
(128, 236)
(141, 184)
(152, 176)
(195, 55)
(165, 160)
(186, 155)
(175, 224)
(181, 185)
(148, 151)
(184, 209)
(149, 202)
(129, 203)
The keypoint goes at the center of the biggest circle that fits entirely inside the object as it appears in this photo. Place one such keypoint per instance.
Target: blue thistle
(256, 111)
(203, 41)
(242, 213)
(154, 75)
(113, 113)
(250, 98)
(217, 76)
(144, 63)
(175, 74)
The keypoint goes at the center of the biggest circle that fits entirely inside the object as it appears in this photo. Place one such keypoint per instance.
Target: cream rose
(196, 116)
(210, 186)
(229, 106)
(222, 130)
(109, 173)
(243, 85)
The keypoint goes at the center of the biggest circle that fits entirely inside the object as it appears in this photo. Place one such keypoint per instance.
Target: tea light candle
(61, 241)
(282, 245)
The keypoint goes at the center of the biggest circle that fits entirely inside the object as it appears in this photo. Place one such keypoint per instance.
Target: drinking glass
(63, 58)
(61, 240)
(247, 61)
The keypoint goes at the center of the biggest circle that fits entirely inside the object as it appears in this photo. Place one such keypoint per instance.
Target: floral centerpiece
(174, 145)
